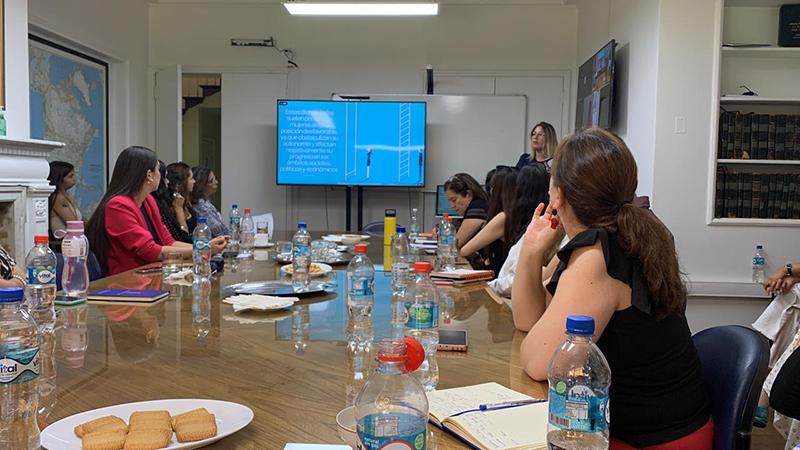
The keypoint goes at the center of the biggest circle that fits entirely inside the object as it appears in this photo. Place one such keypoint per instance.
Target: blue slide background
(331, 142)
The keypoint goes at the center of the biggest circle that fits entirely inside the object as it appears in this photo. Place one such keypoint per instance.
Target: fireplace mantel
(23, 182)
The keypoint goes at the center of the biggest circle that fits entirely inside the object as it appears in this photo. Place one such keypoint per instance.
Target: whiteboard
(465, 133)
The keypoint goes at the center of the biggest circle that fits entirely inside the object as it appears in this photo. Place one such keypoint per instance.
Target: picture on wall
(69, 104)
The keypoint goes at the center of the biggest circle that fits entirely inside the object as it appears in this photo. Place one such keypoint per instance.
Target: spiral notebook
(458, 411)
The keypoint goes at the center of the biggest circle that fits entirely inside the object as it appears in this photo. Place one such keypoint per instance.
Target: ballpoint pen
(510, 404)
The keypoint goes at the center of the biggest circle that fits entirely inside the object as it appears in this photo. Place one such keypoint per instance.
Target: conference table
(293, 368)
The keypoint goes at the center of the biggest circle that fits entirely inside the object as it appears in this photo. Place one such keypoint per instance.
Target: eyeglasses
(538, 135)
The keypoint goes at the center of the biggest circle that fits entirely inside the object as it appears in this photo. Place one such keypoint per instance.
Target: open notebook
(517, 428)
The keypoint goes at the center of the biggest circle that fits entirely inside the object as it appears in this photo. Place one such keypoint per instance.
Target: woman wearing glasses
(470, 200)
(543, 145)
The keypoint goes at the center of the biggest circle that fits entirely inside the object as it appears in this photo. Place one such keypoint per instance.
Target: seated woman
(543, 146)
(487, 250)
(181, 181)
(168, 202)
(126, 230)
(11, 276)
(62, 206)
(470, 200)
(206, 185)
(620, 268)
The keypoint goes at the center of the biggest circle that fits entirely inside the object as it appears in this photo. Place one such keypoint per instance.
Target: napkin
(183, 277)
(253, 319)
(259, 302)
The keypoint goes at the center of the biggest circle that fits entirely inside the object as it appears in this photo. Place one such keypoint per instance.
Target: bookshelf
(755, 170)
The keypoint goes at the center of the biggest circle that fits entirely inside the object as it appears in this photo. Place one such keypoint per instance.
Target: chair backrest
(734, 360)
(374, 228)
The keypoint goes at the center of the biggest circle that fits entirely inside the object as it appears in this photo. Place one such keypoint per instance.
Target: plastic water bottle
(360, 283)
(41, 291)
(413, 227)
(422, 324)
(446, 251)
(579, 379)
(401, 255)
(235, 222)
(301, 257)
(759, 264)
(247, 235)
(3, 127)
(75, 248)
(19, 371)
(391, 409)
(201, 250)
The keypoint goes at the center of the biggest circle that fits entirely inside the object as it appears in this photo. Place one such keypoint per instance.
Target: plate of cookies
(316, 270)
(172, 424)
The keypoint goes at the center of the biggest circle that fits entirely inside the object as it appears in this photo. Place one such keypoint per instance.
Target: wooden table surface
(292, 368)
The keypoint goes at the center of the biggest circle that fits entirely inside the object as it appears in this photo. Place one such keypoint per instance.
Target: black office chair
(734, 360)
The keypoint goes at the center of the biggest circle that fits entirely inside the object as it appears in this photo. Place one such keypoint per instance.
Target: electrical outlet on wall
(680, 125)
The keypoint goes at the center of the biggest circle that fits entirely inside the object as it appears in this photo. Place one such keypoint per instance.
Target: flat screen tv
(596, 89)
(351, 143)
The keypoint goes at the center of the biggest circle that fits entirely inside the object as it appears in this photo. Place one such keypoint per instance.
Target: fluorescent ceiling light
(362, 9)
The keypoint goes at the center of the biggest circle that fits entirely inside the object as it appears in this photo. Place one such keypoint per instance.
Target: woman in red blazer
(126, 230)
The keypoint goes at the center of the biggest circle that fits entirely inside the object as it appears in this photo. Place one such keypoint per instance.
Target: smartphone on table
(453, 340)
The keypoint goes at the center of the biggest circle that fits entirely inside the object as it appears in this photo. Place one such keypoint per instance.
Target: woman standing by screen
(543, 145)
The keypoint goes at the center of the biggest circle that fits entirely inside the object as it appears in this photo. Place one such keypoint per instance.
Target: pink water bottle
(75, 248)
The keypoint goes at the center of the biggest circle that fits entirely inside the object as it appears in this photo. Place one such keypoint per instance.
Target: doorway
(202, 124)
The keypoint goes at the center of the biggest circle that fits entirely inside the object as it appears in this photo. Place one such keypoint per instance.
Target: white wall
(634, 25)
(357, 55)
(16, 69)
(115, 31)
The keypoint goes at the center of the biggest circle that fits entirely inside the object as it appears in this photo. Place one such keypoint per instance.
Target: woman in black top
(470, 200)
(620, 268)
(543, 146)
(168, 202)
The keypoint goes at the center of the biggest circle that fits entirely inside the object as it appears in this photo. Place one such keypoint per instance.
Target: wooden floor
(767, 438)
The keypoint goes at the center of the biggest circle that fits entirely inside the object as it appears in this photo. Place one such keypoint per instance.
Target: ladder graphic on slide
(350, 170)
(404, 144)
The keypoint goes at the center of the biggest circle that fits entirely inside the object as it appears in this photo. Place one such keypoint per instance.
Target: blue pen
(511, 404)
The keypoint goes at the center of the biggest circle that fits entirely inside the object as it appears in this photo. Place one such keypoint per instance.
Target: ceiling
(443, 2)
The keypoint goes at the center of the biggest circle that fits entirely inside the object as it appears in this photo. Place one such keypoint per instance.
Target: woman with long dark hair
(619, 267)
(168, 202)
(206, 185)
(543, 146)
(181, 182)
(470, 200)
(126, 230)
(62, 207)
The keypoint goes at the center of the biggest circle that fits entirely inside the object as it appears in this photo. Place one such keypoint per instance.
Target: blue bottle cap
(201, 220)
(759, 247)
(580, 325)
(12, 295)
(235, 206)
(301, 225)
(401, 229)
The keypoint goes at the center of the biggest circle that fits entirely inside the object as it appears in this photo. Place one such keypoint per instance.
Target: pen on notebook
(511, 404)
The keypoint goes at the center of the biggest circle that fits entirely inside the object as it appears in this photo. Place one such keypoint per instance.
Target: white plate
(231, 417)
(326, 269)
(338, 238)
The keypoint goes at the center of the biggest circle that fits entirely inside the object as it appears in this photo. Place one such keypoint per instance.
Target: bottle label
(758, 261)
(201, 244)
(393, 431)
(400, 273)
(300, 250)
(73, 248)
(361, 287)
(578, 408)
(20, 367)
(422, 316)
(41, 274)
(451, 240)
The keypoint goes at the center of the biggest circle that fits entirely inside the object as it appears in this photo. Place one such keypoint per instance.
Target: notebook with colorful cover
(127, 295)
(464, 274)
(458, 411)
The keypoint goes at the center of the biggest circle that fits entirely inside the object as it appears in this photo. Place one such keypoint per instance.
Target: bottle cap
(11, 295)
(422, 267)
(235, 206)
(390, 213)
(401, 229)
(445, 216)
(361, 249)
(302, 225)
(411, 355)
(580, 325)
(41, 240)
(247, 210)
(759, 247)
(74, 225)
(448, 219)
(201, 220)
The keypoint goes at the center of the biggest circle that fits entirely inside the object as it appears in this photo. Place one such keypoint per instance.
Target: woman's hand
(544, 231)
(780, 286)
(178, 201)
(773, 283)
(218, 244)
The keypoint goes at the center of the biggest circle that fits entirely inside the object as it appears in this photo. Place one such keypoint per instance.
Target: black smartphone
(453, 340)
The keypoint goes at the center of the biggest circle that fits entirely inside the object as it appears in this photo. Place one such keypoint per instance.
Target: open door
(169, 123)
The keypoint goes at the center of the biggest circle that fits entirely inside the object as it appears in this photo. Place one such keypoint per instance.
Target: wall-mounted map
(69, 104)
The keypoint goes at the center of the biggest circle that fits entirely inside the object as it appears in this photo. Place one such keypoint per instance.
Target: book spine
(790, 204)
(731, 187)
(764, 199)
(722, 141)
(771, 138)
(719, 195)
(739, 196)
(747, 195)
(738, 135)
(790, 130)
(756, 195)
(747, 126)
(773, 182)
(796, 196)
(796, 152)
(780, 136)
(763, 135)
(785, 196)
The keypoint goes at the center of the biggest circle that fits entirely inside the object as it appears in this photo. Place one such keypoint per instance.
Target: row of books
(758, 136)
(757, 195)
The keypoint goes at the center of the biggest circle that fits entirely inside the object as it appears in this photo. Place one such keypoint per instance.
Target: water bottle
(360, 283)
(401, 254)
(19, 371)
(41, 291)
(247, 235)
(579, 379)
(3, 128)
(301, 257)
(446, 250)
(391, 409)
(759, 264)
(235, 222)
(413, 227)
(201, 250)
(422, 324)
(75, 248)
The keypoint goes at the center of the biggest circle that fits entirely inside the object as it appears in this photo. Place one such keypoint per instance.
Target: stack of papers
(259, 302)
(461, 276)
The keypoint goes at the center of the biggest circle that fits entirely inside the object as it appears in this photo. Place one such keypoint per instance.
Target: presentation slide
(351, 143)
